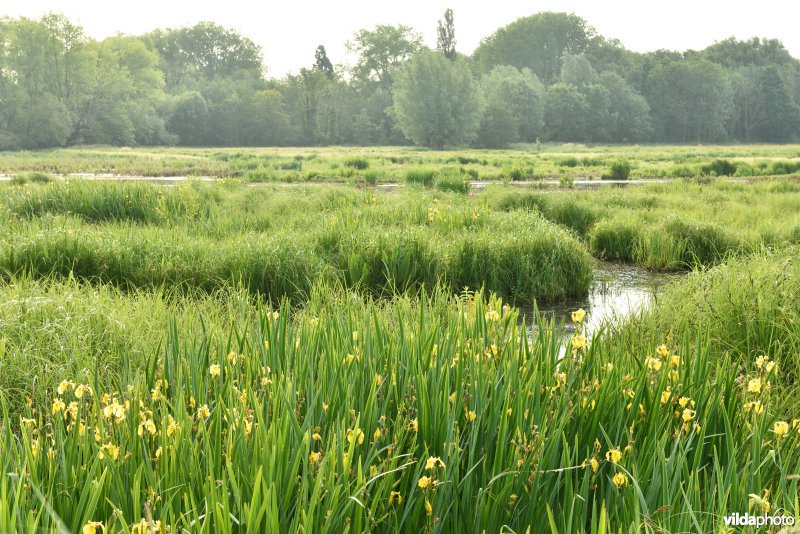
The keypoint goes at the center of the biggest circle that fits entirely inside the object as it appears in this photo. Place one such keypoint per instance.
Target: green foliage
(619, 169)
(420, 176)
(357, 163)
(436, 101)
(538, 42)
(453, 180)
(514, 107)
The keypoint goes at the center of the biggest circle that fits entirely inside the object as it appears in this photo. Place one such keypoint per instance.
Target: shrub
(618, 170)
(420, 176)
(719, 167)
(358, 163)
(453, 180)
(371, 177)
(570, 161)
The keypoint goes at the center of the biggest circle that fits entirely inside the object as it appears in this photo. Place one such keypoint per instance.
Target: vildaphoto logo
(741, 520)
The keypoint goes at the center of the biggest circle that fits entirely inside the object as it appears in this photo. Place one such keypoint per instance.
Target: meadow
(239, 356)
(369, 165)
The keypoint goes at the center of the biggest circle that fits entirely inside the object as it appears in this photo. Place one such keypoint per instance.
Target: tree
(436, 101)
(322, 63)
(567, 109)
(777, 117)
(691, 100)
(381, 50)
(204, 52)
(446, 36)
(538, 42)
(577, 70)
(628, 112)
(189, 119)
(514, 107)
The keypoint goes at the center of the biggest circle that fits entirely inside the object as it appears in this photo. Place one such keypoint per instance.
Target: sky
(290, 30)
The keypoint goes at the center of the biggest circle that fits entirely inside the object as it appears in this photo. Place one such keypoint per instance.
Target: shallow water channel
(618, 290)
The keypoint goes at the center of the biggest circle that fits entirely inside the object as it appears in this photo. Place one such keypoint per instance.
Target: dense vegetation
(543, 163)
(548, 76)
(154, 378)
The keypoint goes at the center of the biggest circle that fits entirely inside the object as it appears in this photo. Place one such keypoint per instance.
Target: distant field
(393, 164)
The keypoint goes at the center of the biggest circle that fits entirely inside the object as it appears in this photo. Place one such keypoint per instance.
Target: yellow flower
(761, 360)
(769, 367)
(214, 370)
(492, 315)
(433, 462)
(761, 502)
(688, 414)
(82, 390)
(58, 406)
(395, 497)
(314, 457)
(662, 351)
(316, 437)
(110, 450)
(376, 436)
(675, 360)
(115, 410)
(172, 426)
(24, 421)
(754, 386)
(424, 482)
(92, 526)
(594, 463)
(428, 507)
(413, 425)
(561, 379)
(654, 364)
(72, 410)
(356, 434)
(148, 426)
(578, 315)
(620, 479)
(665, 395)
(232, 357)
(64, 386)
(203, 411)
(781, 428)
(349, 358)
(684, 401)
(471, 415)
(144, 527)
(579, 342)
(614, 455)
(378, 380)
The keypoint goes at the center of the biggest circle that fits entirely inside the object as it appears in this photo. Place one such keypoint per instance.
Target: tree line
(545, 77)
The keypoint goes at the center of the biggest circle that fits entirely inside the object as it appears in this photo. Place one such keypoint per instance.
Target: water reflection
(618, 290)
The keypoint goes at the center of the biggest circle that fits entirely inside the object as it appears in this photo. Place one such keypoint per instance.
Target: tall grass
(431, 415)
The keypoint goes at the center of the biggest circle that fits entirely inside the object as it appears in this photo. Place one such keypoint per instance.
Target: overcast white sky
(290, 30)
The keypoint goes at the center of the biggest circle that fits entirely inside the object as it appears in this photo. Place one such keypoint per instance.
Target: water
(618, 290)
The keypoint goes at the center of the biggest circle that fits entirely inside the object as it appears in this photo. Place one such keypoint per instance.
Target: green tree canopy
(514, 107)
(436, 101)
(381, 50)
(538, 42)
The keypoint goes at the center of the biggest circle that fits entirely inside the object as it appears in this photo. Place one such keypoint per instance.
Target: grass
(406, 415)
(235, 357)
(670, 226)
(209, 237)
(338, 164)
